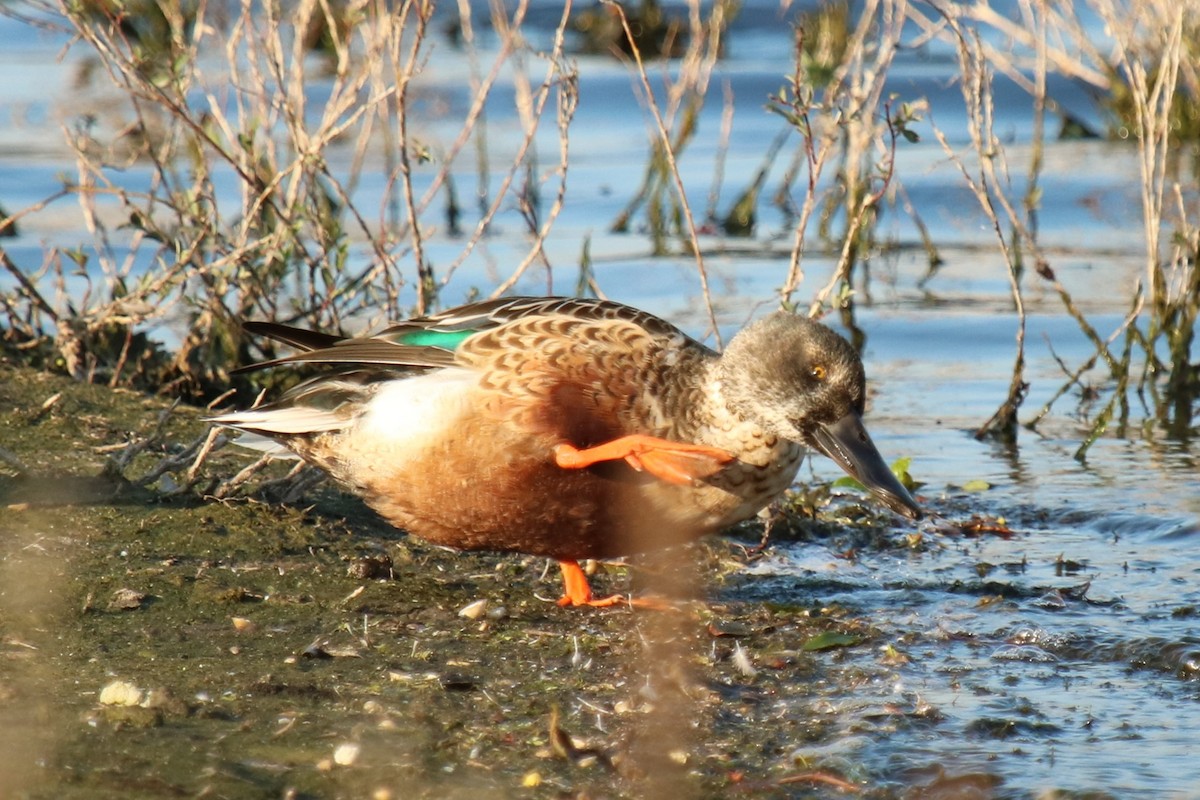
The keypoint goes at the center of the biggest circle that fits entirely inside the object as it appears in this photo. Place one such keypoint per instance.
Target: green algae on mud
(254, 653)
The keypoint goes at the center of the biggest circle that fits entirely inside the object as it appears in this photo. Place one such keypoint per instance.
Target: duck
(569, 428)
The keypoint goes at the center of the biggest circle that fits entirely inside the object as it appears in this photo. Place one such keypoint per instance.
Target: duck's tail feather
(325, 348)
(300, 338)
(276, 421)
(265, 445)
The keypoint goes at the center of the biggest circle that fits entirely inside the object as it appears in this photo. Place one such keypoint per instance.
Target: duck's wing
(323, 348)
(488, 314)
(432, 341)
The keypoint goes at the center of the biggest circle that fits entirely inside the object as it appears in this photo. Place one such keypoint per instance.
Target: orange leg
(673, 462)
(577, 592)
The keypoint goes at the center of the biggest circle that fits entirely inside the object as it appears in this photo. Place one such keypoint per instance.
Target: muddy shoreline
(252, 649)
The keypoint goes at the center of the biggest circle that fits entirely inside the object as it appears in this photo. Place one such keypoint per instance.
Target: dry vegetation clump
(292, 104)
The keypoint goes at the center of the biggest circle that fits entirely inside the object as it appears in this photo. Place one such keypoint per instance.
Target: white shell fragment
(346, 754)
(474, 610)
(121, 693)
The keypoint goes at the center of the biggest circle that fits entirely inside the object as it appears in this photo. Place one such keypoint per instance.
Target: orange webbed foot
(577, 592)
(674, 462)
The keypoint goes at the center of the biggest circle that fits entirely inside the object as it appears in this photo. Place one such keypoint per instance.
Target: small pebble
(126, 600)
(474, 610)
(719, 628)
(120, 693)
(346, 754)
(370, 568)
(457, 682)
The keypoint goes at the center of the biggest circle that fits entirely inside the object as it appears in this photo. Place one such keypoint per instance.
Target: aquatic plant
(1154, 59)
(1150, 81)
(205, 93)
(646, 27)
(835, 100)
(987, 178)
(676, 116)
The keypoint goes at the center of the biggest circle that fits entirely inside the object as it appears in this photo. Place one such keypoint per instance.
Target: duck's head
(802, 382)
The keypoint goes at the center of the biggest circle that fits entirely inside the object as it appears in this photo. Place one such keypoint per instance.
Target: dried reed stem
(693, 65)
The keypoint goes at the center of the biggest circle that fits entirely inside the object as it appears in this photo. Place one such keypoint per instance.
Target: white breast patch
(406, 412)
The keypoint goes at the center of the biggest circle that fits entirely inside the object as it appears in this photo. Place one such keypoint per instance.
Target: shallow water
(1066, 655)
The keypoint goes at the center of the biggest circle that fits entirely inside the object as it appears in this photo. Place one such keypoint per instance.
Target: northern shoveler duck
(571, 428)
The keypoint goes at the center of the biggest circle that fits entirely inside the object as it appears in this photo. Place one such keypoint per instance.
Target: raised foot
(674, 462)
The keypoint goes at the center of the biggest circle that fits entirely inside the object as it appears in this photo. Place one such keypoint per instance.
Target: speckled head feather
(791, 375)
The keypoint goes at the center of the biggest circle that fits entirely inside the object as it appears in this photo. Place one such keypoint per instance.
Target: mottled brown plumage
(477, 428)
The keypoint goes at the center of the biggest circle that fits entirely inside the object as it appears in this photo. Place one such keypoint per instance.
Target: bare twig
(565, 79)
(668, 152)
(990, 191)
(843, 123)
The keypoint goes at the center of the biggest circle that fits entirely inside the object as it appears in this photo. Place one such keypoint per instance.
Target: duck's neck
(697, 395)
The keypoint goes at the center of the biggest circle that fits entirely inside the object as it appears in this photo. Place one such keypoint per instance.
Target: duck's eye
(818, 372)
